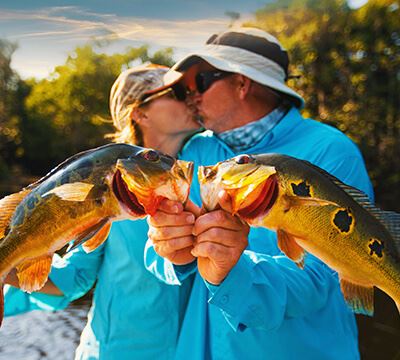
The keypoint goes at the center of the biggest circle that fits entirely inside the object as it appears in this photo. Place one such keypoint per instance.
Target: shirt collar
(251, 134)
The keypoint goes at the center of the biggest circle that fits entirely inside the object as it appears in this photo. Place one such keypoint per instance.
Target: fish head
(252, 186)
(144, 179)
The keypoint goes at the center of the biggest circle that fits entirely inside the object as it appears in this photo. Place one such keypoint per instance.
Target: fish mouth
(126, 197)
(265, 196)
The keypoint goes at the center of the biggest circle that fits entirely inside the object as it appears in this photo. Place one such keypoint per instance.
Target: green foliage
(43, 122)
(349, 61)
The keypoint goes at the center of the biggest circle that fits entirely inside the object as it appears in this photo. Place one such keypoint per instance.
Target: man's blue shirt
(268, 308)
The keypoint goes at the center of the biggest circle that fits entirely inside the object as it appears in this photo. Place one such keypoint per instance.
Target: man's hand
(221, 239)
(171, 230)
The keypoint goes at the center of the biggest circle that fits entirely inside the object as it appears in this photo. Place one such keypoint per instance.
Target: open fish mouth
(125, 196)
(265, 195)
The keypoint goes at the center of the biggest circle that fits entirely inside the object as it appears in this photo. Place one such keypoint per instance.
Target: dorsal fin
(7, 208)
(65, 163)
(390, 219)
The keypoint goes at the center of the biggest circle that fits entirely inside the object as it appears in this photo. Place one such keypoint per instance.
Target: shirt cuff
(233, 291)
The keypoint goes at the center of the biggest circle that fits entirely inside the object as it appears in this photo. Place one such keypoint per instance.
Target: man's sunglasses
(176, 91)
(206, 78)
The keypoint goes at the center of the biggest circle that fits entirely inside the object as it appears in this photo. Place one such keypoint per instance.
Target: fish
(76, 203)
(313, 212)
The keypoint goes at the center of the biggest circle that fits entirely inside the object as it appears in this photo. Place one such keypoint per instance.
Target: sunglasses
(176, 91)
(206, 78)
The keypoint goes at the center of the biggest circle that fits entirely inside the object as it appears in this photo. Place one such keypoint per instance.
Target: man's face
(216, 105)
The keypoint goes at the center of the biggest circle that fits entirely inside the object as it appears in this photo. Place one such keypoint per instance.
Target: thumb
(193, 208)
(225, 201)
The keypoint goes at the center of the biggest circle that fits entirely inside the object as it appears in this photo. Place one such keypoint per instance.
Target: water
(42, 335)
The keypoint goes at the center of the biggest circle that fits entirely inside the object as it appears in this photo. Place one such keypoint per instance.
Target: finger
(224, 237)
(160, 219)
(225, 200)
(217, 218)
(167, 233)
(193, 208)
(213, 251)
(170, 206)
(170, 246)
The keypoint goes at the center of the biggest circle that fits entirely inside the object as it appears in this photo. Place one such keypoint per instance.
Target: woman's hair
(126, 95)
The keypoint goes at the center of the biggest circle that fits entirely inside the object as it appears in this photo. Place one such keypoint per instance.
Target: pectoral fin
(292, 201)
(97, 239)
(7, 208)
(288, 245)
(359, 298)
(76, 191)
(33, 274)
(89, 233)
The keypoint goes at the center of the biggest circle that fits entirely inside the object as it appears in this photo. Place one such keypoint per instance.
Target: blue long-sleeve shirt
(133, 315)
(268, 308)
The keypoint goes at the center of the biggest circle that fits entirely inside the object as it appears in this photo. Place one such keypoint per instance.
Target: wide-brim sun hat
(133, 85)
(248, 51)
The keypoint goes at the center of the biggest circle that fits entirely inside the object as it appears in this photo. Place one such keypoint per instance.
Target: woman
(133, 315)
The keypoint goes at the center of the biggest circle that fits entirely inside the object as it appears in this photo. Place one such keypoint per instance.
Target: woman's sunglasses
(176, 91)
(206, 78)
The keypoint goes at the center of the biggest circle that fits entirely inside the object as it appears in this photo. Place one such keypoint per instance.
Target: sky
(46, 31)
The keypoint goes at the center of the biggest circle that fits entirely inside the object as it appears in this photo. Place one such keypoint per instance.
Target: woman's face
(169, 116)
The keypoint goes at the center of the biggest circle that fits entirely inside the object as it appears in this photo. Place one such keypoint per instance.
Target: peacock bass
(78, 200)
(314, 211)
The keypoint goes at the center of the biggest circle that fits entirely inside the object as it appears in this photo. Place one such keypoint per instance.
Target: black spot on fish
(31, 202)
(301, 189)
(343, 220)
(376, 247)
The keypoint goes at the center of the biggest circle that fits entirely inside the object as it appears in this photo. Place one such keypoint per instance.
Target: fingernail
(190, 219)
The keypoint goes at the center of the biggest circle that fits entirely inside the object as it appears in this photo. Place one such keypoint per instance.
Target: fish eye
(243, 159)
(151, 155)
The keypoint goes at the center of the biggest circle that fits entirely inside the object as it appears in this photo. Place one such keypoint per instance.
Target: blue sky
(46, 31)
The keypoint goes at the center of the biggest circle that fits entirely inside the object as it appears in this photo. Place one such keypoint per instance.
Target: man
(248, 300)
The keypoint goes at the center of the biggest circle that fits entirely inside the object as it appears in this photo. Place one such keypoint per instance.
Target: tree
(68, 112)
(349, 60)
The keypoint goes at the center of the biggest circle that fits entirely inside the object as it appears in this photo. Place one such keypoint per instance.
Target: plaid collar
(248, 135)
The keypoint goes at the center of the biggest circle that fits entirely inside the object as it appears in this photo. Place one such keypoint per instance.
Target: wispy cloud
(53, 32)
(49, 23)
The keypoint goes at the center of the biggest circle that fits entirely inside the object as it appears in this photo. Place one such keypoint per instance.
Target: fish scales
(312, 209)
(78, 200)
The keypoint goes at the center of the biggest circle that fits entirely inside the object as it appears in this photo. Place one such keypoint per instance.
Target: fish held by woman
(313, 211)
(78, 200)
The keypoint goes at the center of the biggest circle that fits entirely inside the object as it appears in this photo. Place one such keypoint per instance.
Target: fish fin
(87, 234)
(7, 209)
(76, 191)
(97, 239)
(33, 274)
(292, 201)
(391, 220)
(288, 245)
(359, 298)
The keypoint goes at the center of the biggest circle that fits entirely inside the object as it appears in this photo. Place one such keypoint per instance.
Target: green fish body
(78, 200)
(313, 211)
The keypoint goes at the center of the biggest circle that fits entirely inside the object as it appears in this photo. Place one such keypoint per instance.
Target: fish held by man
(313, 211)
(78, 200)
